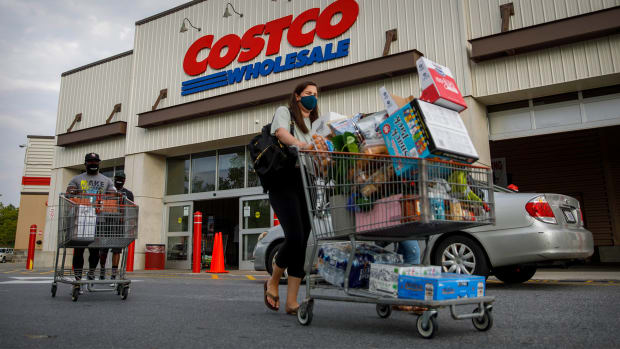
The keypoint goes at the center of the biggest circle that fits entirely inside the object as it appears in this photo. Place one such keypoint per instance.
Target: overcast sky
(40, 39)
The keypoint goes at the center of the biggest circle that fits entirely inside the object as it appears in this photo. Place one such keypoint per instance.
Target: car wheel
(514, 274)
(272, 259)
(3, 259)
(461, 255)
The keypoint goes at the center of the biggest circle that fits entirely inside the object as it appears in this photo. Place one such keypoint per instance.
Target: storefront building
(178, 110)
(34, 192)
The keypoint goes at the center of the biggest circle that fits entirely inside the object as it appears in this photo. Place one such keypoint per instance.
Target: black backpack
(270, 157)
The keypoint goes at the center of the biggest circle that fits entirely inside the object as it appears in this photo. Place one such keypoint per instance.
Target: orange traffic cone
(215, 247)
(217, 261)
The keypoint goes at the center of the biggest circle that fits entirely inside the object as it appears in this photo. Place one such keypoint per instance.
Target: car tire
(272, 258)
(3, 259)
(514, 274)
(469, 257)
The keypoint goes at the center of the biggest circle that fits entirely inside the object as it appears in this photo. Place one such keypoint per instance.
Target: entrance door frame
(179, 264)
(249, 264)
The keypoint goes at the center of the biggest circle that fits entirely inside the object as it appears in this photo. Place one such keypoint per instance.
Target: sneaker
(102, 277)
(113, 278)
(80, 291)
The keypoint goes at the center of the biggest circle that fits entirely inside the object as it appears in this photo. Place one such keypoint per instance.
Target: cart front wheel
(125, 292)
(75, 293)
(304, 313)
(483, 323)
(54, 288)
(429, 329)
(384, 311)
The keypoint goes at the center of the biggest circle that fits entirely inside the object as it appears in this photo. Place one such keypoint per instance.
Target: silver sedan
(531, 230)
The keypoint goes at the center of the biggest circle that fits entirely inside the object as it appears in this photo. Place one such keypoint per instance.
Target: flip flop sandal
(272, 297)
(291, 311)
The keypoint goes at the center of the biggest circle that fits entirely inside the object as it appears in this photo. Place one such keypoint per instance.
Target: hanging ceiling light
(184, 28)
(227, 13)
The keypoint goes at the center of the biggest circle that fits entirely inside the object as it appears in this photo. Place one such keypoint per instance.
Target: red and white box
(438, 85)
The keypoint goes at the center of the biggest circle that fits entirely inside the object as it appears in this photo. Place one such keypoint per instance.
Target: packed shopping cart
(360, 198)
(107, 221)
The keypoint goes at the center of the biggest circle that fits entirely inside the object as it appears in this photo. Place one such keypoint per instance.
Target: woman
(287, 197)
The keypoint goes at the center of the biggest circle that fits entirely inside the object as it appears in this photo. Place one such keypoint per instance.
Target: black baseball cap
(120, 174)
(91, 157)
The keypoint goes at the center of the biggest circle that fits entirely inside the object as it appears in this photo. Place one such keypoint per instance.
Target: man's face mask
(118, 183)
(92, 167)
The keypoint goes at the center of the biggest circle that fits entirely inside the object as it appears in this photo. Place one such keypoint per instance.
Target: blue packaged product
(442, 287)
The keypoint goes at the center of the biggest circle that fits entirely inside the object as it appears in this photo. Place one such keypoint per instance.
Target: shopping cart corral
(359, 197)
(94, 221)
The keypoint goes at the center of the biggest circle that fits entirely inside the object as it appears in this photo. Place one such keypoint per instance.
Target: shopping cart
(94, 221)
(358, 197)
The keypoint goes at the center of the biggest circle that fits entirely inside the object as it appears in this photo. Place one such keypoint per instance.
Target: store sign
(252, 43)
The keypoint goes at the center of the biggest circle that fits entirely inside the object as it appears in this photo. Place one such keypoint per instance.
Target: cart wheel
(75, 293)
(430, 329)
(483, 323)
(54, 288)
(125, 292)
(304, 313)
(384, 311)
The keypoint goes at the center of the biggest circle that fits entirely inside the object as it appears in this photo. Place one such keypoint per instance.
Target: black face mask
(119, 184)
(92, 169)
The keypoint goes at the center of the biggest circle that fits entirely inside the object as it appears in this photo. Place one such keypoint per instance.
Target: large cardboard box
(438, 85)
(442, 287)
(424, 130)
(384, 277)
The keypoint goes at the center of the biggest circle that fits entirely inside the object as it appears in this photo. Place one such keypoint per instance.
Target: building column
(146, 176)
(477, 123)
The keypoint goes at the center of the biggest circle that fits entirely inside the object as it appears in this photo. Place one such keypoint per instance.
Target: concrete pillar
(146, 176)
(477, 123)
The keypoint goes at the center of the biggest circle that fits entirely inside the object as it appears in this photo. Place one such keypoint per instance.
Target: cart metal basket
(359, 197)
(94, 221)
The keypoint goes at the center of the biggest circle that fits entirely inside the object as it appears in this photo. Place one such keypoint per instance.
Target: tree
(8, 224)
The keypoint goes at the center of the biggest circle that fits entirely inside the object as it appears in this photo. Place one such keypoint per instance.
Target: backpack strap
(292, 125)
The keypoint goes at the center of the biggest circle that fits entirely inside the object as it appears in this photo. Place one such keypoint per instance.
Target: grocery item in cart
(346, 125)
(438, 85)
(86, 222)
(425, 130)
(411, 208)
(368, 126)
(333, 258)
(392, 102)
(441, 287)
(386, 212)
(320, 126)
(384, 277)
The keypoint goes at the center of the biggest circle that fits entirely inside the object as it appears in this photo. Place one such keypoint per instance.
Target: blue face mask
(309, 102)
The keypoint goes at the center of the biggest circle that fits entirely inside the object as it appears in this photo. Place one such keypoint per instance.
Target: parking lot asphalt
(174, 308)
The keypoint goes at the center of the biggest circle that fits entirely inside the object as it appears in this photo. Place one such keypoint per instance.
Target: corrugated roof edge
(167, 12)
(43, 137)
(90, 65)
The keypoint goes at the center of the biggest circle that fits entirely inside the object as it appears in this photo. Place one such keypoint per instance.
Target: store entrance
(220, 215)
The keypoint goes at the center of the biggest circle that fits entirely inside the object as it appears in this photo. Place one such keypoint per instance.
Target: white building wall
(486, 19)
(557, 65)
(113, 148)
(435, 28)
(38, 162)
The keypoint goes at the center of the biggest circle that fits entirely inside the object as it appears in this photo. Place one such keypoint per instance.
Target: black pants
(289, 203)
(78, 260)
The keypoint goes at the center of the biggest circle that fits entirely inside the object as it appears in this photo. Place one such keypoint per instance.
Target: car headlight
(262, 235)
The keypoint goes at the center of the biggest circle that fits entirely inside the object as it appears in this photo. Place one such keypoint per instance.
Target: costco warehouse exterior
(541, 80)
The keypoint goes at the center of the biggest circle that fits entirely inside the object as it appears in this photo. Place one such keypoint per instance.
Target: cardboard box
(425, 130)
(384, 277)
(438, 85)
(442, 287)
(392, 102)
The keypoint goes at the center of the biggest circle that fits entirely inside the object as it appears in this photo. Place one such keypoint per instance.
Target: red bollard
(196, 262)
(130, 251)
(33, 237)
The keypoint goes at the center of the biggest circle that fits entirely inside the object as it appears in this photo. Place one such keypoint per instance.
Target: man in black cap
(119, 182)
(89, 184)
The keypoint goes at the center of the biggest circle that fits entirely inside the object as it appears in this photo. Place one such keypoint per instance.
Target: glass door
(255, 217)
(179, 224)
